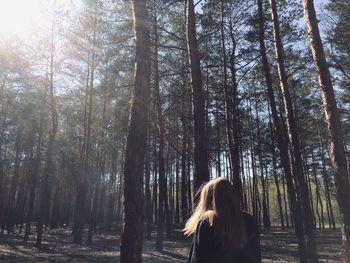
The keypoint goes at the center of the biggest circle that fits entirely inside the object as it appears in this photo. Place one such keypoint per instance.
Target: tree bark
(230, 110)
(148, 201)
(266, 217)
(282, 143)
(338, 156)
(184, 182)
(274, 168)
(161, 140)
(44, 198)
(34, 175)
(297, 164)
(320, 215)
(132, 236)
(326, 182)
(201, 169)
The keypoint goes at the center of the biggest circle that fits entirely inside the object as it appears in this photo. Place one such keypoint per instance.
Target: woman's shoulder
(204, 229)
(207, 220)
(204, 236)
(204, 224)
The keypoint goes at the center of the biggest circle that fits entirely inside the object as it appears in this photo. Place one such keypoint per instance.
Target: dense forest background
(67, 89)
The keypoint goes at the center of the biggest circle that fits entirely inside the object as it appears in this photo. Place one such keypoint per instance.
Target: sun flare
(21, 17)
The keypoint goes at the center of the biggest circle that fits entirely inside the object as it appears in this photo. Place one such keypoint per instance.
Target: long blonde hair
(219, 204)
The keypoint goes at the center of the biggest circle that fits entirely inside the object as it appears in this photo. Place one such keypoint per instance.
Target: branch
(172, 47)
(171, 33)
(341, 70)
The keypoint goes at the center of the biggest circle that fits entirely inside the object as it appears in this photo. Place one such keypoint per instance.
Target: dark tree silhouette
(132, 237)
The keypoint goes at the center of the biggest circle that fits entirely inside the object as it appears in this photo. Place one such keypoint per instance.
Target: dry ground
(277, 246)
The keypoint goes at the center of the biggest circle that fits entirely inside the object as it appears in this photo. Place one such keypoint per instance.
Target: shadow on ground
(277, 246)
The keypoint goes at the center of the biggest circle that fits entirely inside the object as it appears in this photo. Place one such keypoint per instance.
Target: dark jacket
(205, 250)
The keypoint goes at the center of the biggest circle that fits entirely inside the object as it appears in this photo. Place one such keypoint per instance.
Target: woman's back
(205, 248)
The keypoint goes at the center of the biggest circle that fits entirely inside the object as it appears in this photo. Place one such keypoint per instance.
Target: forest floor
(277, 246)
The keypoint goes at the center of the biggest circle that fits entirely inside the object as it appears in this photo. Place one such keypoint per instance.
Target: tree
(282, 143)
(132, 236)
(201, 169)
(294, 139)
(45, 191)
(338, 156)
(161, 140)
(338, 37)
(230, 97)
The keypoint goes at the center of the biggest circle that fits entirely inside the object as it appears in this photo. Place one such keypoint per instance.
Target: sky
(22, 17)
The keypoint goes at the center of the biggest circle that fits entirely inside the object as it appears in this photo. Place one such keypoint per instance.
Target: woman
(223, 233)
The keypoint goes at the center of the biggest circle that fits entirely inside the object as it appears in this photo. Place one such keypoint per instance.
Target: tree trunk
(184, 182)
(112, 187)
(274, 168)
(34, 175)
(80, 207)
(44, 198)
(161, 139)
(255, 190)
(308, 181)
(282, 143)
(201, 169)
(338, 156)
(132, 236)
(266, 218)
(148, 201)
(297, 164)
(230, 110)
(326, 178)
(177, 190)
